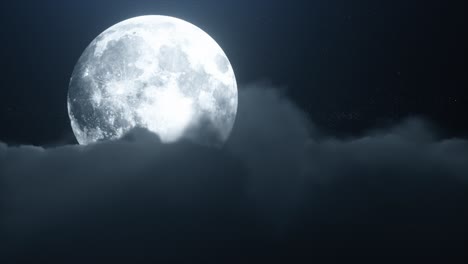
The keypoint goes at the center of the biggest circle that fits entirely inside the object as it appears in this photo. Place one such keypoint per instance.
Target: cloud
(275, 192)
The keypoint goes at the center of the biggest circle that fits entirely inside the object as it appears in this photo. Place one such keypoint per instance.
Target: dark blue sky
(287, 187)
(350, 65)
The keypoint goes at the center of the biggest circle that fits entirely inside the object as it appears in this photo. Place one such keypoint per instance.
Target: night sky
(350, 141)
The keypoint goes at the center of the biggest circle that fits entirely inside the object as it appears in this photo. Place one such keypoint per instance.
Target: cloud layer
(277, 191)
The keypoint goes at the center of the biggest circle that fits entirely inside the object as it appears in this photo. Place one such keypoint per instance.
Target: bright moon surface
(155, 72)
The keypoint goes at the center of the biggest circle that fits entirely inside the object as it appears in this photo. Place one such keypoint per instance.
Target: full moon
(155, 72)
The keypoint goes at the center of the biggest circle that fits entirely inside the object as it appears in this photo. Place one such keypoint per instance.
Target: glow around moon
(155, 72)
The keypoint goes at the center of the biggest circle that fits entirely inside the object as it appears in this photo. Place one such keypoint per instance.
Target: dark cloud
(276, 192)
